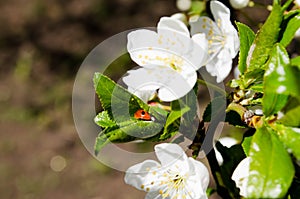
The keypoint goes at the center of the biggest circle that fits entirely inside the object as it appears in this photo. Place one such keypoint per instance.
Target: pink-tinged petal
(174, 25)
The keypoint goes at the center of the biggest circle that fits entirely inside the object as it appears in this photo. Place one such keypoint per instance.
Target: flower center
(175, 184)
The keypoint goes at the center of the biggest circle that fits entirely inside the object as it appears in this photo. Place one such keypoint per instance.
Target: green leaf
(246, 145)
(117, 101)
(291, 25)
(271, 168)
(292, 117)
(111, 134)
(272, 103)
(170, 129)
(291, 111)
(118, 118)
(290, 137)
(266, 37)
(214, 108)
(296, 62)
(279, 81)
(182, 116)
(103, 120)
(280, 75)
(246, 39)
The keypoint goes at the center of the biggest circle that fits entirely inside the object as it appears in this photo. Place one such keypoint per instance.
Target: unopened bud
(183, 5)
(239, 4)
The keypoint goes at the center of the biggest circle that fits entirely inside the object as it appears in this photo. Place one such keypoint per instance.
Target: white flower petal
(172, 24)
(204, 25)
(221, 14)
(241, 175)
(178, 177)
(222, 17)
(169, 153)
(181, 17)
(200, 172)
(153, 195)
(142, 175)
(144, 94)
(176, 87)
(220, 66)
(170, 84)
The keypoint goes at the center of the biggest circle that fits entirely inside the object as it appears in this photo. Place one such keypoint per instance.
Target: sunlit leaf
(280, 80)
(290, 137)
(103, 120)
(246, 39)
(271, 168)
(266, 37)
(291, 25)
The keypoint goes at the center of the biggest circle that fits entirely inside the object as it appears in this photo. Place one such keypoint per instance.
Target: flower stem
(216, 88)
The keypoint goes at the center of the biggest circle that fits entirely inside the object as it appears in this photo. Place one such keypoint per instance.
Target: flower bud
(183, 5)
(239, 4)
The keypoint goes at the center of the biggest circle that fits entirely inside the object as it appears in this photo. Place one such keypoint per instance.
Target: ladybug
(142, 115)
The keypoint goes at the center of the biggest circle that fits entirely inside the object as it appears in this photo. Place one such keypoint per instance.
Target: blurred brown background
(42, 45)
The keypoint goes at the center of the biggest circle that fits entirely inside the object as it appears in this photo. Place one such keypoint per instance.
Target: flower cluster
(176, 176)
(169, 58)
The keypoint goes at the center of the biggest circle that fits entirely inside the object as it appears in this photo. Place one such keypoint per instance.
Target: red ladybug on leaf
(142, 115)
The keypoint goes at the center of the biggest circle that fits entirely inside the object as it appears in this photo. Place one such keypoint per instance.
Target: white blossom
(176, 176)
(241, 176)
(169, 59)
(239, 4)
(223, 41)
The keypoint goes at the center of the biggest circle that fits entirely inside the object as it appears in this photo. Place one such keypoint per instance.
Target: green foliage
(279, 81)
(269, 81)
(264, 40)
(103, 120)
(246, 145)
(246, 39)
(290, 24)
(296, 62)
(291, 113)
(271, 168)
(118, 120)
(290, 137)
